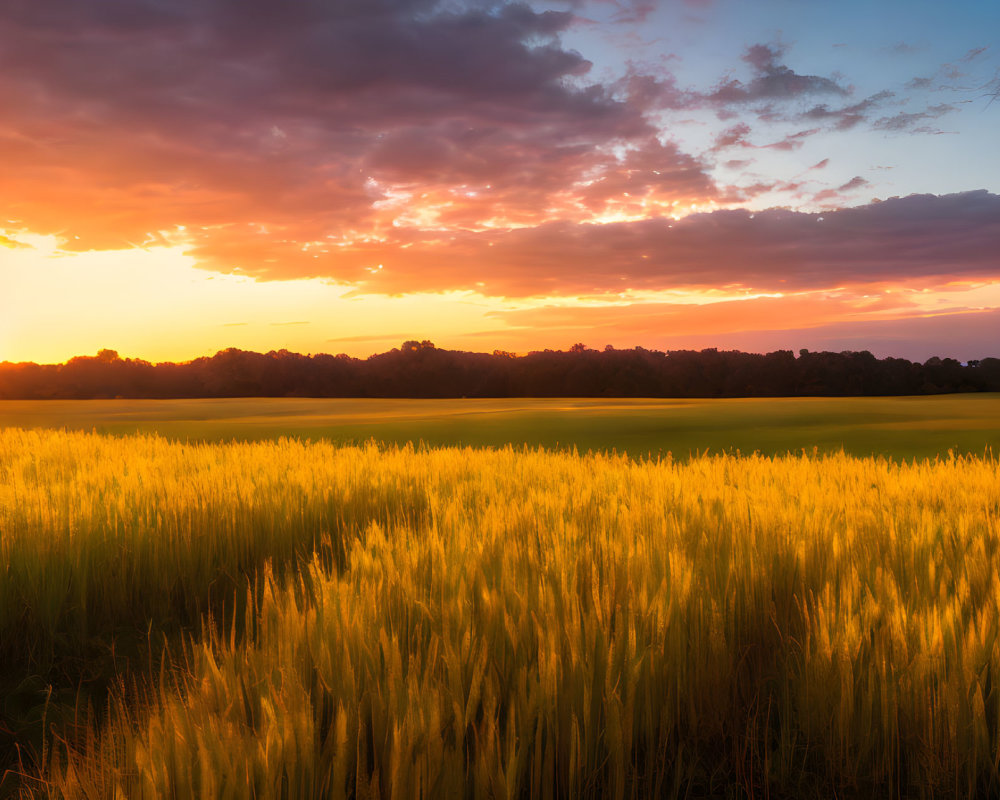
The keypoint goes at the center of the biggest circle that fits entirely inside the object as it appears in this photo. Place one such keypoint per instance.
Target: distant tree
(413, 346)
(419, 369)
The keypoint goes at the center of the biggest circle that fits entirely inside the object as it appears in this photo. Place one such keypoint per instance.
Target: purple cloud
(904, 121)
(304, 117)
(849, 116)
(917, 237)
(837, 195)
(857, 182)
(771, 80)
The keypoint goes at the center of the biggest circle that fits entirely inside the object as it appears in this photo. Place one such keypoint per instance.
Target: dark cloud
(771, 80)
(952, 76)
(838, 195)
(792, 141)
(857, 182)
(656, 91)
(753, 191)
(307, 118)
(733, 136)
(736, 136)
(776, 250)
(849, 116)
(914, 122)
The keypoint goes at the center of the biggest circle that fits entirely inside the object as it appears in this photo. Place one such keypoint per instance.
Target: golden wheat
(514, 623)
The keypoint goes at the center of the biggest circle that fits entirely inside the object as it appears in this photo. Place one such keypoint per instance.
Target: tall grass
(104, 536)
(518, 623)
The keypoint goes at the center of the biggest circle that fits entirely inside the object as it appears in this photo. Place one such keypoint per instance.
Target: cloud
(777, 250)
(949, 75)
(461, 145)
(771, 80)
(910, 122)
(656, 91)
(837, 195)
(733, 136)
(857, 182)
(847, 117)
(302, 121)
(736, 136)
(792, 141)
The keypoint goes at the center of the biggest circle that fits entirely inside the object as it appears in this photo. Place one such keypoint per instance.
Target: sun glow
(154, 302)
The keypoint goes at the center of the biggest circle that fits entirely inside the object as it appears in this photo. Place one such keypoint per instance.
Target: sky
(182, 176)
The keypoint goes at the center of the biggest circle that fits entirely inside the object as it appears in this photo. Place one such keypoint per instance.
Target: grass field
(904, 427)
(291, 619)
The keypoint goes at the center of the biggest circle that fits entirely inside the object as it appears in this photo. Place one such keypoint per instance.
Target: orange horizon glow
(157, 304)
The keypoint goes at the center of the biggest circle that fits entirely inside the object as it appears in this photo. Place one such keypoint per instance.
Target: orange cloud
(922, 237)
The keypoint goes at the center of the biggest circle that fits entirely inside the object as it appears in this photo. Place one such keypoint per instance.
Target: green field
(903, 427)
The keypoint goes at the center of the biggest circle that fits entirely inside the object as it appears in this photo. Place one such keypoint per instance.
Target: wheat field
(293, 619)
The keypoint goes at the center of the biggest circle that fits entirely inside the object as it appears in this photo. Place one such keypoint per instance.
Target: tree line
(419, 369)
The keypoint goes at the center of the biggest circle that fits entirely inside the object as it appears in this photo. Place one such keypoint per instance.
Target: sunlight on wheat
(512, 623)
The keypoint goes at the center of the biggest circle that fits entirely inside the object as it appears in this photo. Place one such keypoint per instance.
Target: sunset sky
(181, 176)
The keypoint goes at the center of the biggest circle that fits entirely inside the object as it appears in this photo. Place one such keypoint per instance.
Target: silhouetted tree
(419, 369)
